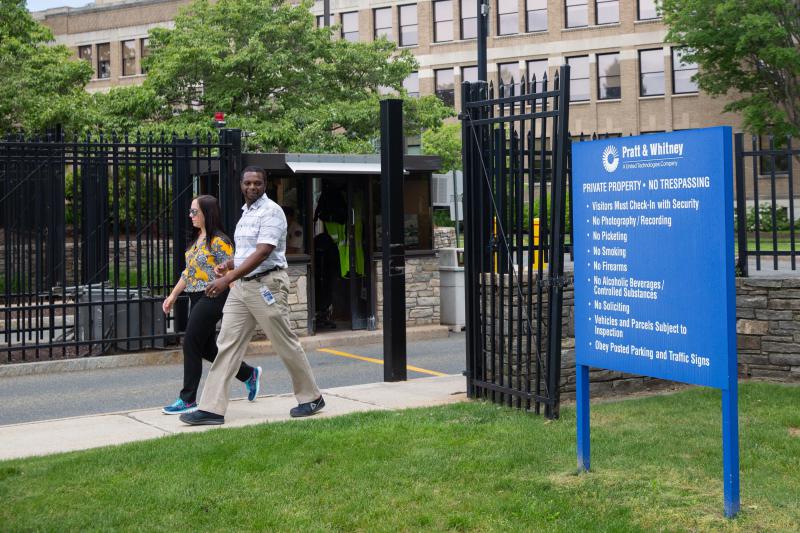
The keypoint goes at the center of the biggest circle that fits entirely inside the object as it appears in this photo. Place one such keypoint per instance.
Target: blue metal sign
(654, 280)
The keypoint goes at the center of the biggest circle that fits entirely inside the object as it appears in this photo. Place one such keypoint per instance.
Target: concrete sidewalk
(81, 433)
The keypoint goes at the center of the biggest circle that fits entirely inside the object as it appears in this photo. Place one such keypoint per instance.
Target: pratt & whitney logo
(610, 158)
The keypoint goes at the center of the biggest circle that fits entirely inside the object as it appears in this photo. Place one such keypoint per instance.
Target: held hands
(223, 268)
(216, 287)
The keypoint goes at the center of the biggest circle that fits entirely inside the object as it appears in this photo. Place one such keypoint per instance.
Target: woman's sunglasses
(193, 212)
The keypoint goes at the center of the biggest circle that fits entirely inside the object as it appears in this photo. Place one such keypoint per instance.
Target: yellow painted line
(378, 361)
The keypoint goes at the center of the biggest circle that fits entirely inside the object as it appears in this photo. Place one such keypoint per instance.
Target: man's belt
(261, 274)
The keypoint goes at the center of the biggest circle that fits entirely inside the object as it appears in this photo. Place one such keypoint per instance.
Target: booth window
(290, 194)
(418, 213)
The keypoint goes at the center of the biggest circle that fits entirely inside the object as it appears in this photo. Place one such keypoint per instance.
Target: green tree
(444, 141)
(748, 49)
(263, 63)
(40, 84)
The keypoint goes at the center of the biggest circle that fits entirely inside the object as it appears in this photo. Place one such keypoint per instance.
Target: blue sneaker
(253, 384)
(180, 407)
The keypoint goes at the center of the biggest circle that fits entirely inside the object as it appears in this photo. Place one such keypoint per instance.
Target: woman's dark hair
(213, 219)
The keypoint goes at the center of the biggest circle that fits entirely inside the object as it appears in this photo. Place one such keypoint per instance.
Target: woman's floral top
(201, 260)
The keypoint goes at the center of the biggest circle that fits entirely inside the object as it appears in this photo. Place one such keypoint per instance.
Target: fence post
(182, 201)
(94, 216)
(230, 166)
(56, 224)
(556, 271)
(392, 238)
(467, 151)
(741, 204)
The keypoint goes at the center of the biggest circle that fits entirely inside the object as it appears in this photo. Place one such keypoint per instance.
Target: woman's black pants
(200, 342)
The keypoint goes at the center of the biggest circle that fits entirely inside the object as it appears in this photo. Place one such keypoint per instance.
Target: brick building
(625, 80)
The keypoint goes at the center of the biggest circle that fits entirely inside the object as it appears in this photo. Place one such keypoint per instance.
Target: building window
(507, 17)
(321, 20)
(682, 73)
(383, 22)
(578, 78)
(411, 84)
(769, 164)
(651, 72)
(85, 53)
(469, 19)
(104, 61)
(647, 10)
(536, 15)
(350, 26)
(607, 11)
(414, 145)
(442, 21)
(509, 75)
(144, 53)
(469, 74)
(445, 86)
(408, 25)
(609, 86)
(577, 13)
(128, 58)
(537, 69)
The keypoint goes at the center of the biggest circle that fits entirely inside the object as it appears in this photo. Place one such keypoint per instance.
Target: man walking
(258, 296)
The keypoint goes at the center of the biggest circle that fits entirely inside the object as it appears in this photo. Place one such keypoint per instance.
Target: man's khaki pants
(244, 309)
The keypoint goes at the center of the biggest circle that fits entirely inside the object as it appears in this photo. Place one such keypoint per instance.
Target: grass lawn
(466, 467)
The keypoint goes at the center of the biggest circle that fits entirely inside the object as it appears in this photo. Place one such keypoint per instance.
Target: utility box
(451, 287)
(123, 314)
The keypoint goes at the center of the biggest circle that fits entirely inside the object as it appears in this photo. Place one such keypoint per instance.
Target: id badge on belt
(269, 298)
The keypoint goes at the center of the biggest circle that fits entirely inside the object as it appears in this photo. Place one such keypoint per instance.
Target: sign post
(654, 281)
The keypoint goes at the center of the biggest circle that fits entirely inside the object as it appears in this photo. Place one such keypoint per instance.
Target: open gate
(515, 168)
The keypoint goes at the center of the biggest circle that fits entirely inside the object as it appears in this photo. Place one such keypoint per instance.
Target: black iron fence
(515, 163)
(766, 218)
(92, 236)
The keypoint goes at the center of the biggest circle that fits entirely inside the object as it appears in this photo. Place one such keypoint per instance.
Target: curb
(175, 356)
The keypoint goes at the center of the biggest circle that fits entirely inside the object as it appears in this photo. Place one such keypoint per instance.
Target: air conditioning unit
(442, 194)
(441, 187)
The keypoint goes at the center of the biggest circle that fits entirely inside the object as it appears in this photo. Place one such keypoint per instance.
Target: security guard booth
(332, 206)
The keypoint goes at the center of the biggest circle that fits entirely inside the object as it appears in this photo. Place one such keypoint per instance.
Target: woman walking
(209, 247)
